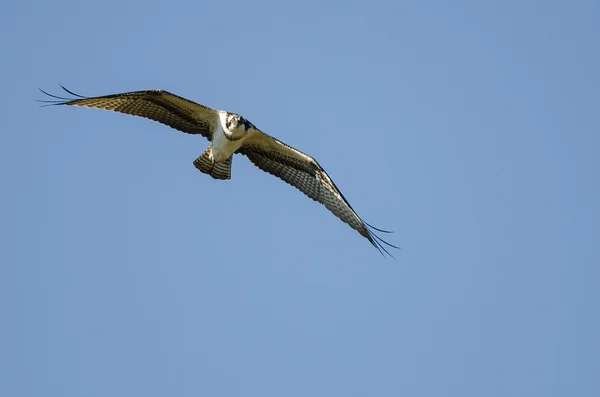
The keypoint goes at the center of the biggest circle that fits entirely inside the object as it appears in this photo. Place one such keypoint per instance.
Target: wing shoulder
(264, 144)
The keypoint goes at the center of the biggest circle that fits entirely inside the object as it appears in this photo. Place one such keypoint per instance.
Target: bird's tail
(206, 164)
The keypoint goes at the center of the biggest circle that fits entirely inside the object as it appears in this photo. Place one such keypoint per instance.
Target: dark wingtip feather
(377, 241)
(379, 230)
(51, 102)
(54, 96)
(71, 92)
(59, 100)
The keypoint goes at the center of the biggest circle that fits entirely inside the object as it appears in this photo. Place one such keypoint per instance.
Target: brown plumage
(264, 151)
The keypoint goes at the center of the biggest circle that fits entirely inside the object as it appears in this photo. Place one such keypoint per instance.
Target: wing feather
(304, 173)
(157, 105)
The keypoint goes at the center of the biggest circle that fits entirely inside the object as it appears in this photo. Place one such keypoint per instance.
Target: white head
(237, 126)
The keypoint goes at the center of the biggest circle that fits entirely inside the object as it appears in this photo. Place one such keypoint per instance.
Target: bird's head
(237, 125)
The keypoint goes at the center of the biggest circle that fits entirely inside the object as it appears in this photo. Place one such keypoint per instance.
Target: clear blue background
(470, 128)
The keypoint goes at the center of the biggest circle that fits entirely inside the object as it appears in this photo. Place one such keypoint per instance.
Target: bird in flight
(230, 133)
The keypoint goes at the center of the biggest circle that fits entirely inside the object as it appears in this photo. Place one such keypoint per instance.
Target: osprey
(230, 133)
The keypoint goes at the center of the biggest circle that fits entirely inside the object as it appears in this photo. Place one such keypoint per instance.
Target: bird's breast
(223, 148)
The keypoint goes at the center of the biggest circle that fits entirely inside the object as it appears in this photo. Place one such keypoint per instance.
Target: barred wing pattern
(267, 153)
(304, 173)
(158, 105)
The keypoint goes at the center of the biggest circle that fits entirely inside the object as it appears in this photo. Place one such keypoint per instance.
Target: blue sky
(469, 128)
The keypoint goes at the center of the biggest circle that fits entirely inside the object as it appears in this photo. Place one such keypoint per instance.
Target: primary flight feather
(230, 133)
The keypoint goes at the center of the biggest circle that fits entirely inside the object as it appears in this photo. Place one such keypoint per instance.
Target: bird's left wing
(158, 105)
(304, 173)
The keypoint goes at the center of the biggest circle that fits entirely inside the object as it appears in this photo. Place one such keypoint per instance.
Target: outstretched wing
(158, 105)
(304, 173)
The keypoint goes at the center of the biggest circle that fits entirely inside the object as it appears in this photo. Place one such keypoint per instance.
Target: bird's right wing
(305, 174)
(158, 105)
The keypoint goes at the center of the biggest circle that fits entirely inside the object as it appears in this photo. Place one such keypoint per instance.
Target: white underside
(223, 148)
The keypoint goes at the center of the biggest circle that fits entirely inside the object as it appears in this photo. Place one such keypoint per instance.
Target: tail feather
(206, 165)
(222, 170)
